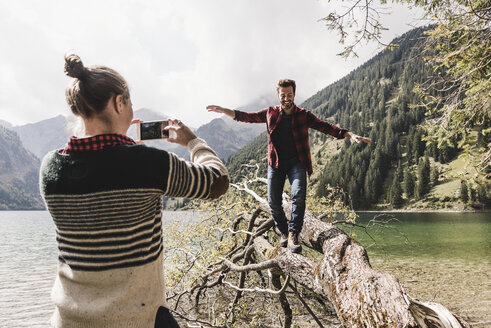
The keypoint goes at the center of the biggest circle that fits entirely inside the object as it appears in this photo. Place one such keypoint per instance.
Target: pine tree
(409, 147)
(409, 183)
(418, 193)
(464, 192)
(399, 172)
(426, 174)
(472, 194)
(416, 142)
(423, 184)
(372, 184)
(435, 174)
(482, 194)
(396, 191)
(433, 150)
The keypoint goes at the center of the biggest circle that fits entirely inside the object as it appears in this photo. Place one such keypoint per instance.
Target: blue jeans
(297, 176)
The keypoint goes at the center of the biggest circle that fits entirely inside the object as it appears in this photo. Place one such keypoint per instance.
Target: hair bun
(74, 66)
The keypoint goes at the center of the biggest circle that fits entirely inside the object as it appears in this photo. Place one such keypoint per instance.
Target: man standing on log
(288, 155)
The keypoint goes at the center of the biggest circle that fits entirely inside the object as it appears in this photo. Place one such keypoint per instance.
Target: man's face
(286, 96)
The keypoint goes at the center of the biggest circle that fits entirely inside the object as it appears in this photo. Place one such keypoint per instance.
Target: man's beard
(286, 104)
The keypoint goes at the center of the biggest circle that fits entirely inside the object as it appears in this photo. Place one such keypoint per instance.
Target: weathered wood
(362, 296)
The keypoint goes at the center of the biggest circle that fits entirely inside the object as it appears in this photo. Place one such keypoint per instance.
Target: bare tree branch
(260, 290)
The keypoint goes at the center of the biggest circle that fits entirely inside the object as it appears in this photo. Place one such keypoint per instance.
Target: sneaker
(284, 239)
(293, 243)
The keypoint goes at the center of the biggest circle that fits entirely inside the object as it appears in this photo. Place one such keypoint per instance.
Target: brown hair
(92, 87)
(285, 83)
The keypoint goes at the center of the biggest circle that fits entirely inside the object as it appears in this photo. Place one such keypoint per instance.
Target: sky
(177, 55)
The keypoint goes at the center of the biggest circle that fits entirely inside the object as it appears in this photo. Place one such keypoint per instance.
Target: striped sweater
(107, 208)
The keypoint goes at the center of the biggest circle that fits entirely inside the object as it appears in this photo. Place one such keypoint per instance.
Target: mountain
(397, 169)
(5, 124)
(146, 114)
(224, 137)
(227, 136)
(19, 171)
(44, 136)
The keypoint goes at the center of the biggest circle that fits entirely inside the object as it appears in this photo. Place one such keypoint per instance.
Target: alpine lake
(442, 257)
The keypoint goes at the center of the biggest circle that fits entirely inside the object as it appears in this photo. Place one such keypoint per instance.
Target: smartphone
(152, 130)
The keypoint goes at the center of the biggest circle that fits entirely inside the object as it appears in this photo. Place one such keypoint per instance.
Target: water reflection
(430, 235)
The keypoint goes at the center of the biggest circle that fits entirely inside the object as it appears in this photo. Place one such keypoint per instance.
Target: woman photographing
(104, 193)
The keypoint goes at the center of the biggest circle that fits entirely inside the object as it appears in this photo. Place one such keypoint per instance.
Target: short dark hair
(92, 87)
(285, 83)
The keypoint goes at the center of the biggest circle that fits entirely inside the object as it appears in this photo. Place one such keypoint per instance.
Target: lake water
(441, 257)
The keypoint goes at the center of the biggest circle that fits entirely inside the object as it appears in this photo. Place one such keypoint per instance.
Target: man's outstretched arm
(329, 128)
(221, 110)
(257, 117)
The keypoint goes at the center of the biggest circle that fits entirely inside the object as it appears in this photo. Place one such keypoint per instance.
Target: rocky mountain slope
(19, 170)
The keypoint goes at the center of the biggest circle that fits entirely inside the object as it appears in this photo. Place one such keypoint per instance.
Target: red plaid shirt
(302, 120)
(97, 142)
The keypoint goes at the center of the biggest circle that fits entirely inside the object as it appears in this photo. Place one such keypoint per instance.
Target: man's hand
(183, 134)
(356, 138)
(221, 110)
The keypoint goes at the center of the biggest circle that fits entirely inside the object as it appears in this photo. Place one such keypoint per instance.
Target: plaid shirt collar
(98, 142)
(294, 110)
(280, 112)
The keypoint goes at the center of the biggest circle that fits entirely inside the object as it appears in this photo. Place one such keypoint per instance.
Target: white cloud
(178, 56)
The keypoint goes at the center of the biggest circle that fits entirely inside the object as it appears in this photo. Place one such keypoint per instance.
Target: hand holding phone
(152, 130)
(180, 133)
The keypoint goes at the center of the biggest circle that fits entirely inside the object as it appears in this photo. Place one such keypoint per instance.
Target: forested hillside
(397, 168)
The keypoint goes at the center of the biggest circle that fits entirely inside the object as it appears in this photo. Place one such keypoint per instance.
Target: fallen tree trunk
(340, 279)
(361, 296)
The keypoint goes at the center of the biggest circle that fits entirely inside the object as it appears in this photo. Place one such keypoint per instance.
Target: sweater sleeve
(205, 177)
